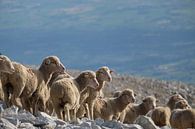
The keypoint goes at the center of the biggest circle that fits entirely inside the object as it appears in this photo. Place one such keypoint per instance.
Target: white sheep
(132, 111)
(29, 84)
(110, 108)
(65, 93)
(103, 75)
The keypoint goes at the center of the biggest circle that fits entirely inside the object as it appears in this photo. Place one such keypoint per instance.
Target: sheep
(161, 115)
(6, 67)
(130, 114)
(29, 84)
(183, 118)
(56, 76)
(65, 93)
(110, 108)
(103, 75)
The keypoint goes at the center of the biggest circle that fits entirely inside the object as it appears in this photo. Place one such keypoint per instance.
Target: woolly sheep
(130, 114)
(65, 93)
(111, 108)
(103, 75)
(183, 118)
(29, 84)
(161, 115)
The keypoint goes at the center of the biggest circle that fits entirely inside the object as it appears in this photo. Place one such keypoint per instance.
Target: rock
(146, 122)
(10, 111)
(132, 126)
(2, 106)
(13, 120)
(112, 124)
(94, 126)
(99, 121)
(86, 125)
(26, 126)
(45, 121)
(5, 124)
(165, 127)
(60, 122)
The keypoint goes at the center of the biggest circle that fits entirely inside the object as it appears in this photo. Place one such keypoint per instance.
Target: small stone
(165, 127)
(26, 126)
(5, 124)
(146, 122)
(44, 120)
(13, 120)
(112, 124)
(132, 126)
(99, 121)
(86, 125)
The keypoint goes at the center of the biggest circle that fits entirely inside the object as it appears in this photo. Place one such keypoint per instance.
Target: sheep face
(89, 78)
(53, 64)
(149, 102)
(182, 104)
(6, 65)
(127, 96)
(173, 99)
(104, 74)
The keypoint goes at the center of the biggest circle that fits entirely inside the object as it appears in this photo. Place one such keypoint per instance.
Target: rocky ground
(12, 118)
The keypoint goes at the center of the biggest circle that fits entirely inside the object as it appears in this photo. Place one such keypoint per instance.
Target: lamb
(183, 118)
(28, 84)
(103, 75)
(130, 114)
(6, 67)
(161, 115)
(110, 108)
(65, 93)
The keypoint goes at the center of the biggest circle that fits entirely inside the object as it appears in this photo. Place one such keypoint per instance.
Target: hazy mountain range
(153, 38)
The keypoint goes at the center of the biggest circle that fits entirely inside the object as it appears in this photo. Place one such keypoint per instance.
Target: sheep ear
(48, 62)
(111, 71)
(157, 100)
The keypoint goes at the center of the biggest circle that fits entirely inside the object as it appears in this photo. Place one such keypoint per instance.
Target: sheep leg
(67, 113)
(122, 117)
(87, 110)
(15, 98)
(91, 105)
(59, 112)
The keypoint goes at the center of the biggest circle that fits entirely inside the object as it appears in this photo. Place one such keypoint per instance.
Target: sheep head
(173, 99)
(52, 64)
(149, 102)
(182, 104)
(6, 65)
(127, 96)
(104, 74)
(88, 78)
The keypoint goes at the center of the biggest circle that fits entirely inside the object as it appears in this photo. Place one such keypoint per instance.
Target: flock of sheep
(52, 90)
